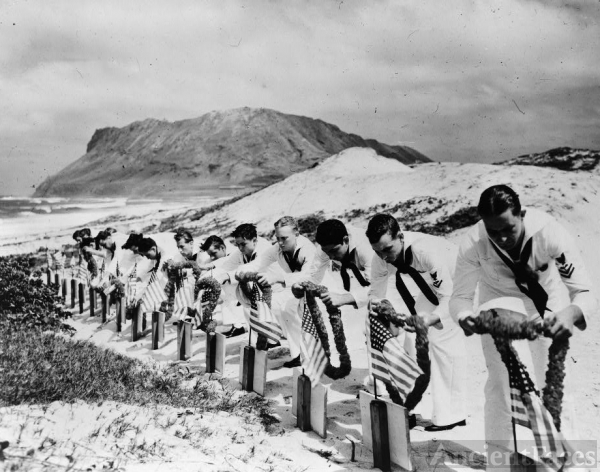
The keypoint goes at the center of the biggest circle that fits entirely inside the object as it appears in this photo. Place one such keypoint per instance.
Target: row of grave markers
(385, 424)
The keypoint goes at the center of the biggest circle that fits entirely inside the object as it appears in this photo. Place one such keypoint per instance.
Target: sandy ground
(352, 180)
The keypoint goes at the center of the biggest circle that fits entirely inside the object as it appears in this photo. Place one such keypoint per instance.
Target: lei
(504, 330)
(92, 265)
(312, 291)
(210, 296)
(386, 311)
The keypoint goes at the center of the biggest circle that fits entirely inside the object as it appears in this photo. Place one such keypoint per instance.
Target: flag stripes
(528, 410)
(314, 359)
(390, 362)
(519, 411)
(153, 295)
(183, 296)
(261, 316)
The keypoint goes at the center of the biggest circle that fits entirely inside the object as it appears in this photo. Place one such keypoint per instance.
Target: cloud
(444, 76)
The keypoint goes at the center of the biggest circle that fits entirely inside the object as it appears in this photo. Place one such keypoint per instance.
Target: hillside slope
(247, 147)
(563, 158)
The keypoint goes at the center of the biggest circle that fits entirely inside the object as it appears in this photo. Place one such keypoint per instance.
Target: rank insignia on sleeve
(436, 282)
(565, 269)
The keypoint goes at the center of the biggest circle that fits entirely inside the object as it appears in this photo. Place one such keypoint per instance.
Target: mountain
(563, 158)
(245, 147)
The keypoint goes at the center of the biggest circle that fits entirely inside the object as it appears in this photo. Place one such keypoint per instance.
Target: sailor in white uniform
(527, 255)
(349, 250)
(422, 267)
(248, 246)
(294, 255)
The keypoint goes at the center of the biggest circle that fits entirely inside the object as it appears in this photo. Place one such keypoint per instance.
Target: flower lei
(386, 311)
(312, 291)
(119, 291)
(92, 265)
(210, 297)
(504, 330)
(267, 291)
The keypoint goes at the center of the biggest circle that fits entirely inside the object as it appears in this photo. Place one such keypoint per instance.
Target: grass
(38, 367)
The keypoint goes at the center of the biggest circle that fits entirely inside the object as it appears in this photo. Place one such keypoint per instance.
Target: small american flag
(58, 261)
(314, 359)
(183, 296)
(132, 285)
(73, 265)
(82, 274)
(389, 361)
(529, 411)
(153, 295)
(261, 319)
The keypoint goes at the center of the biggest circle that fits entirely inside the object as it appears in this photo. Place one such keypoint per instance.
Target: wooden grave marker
(247, 368)
(73, 292)
(318, 404)
(259, 368)
(398, 431)
(136, 323)
(81, 297)
(184, 340)
(158, 329)
(65, 290)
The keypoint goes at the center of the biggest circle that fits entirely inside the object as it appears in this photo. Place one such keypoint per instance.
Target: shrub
(25, 301)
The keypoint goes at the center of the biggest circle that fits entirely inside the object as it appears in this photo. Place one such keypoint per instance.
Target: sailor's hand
(432, 320)
(469, 325)
(337, 299)
(264, 280)
(562, 322)
(297, 290)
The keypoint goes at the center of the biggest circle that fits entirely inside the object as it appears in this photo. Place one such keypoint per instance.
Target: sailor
(525, 254)
(294, 255)
(188, 249)
(347, 250)
(422, 267)
(248, 246)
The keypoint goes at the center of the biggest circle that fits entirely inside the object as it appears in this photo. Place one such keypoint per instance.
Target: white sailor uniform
(562, 276)
(432, 259)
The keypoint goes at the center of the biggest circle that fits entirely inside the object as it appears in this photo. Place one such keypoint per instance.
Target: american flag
(153, 295)
(58, 261)
(73, 265)
(183, 296)
(102, 268)
(132, 285)
(82, 274)
(261, 319)
(314, 359)
(529, 411)
(389, 361)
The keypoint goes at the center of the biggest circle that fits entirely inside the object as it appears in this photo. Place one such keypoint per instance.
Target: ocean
(26, 222)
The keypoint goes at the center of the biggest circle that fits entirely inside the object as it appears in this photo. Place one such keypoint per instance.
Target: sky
(469, 81)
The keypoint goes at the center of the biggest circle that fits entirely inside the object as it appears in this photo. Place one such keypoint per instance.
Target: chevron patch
(436, 282)
(565, 269)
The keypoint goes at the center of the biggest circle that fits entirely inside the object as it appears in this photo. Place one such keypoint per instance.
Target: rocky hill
(563, 158)
(240, 147)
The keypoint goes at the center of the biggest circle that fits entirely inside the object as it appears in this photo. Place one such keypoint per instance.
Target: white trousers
(230, 311)
(448, 356)
(284, 307)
